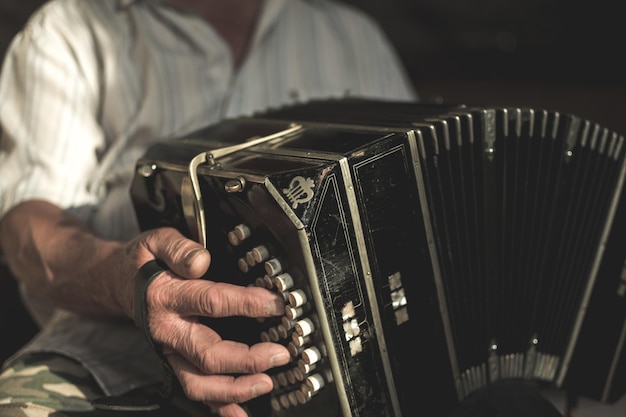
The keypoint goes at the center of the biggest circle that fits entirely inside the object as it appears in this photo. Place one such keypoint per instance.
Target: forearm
(54, 254)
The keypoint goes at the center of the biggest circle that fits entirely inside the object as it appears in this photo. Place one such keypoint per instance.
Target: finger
(228, 356)
(216, 299)
(227, 410)
(186, 258)
(212, 355)
(224, 389)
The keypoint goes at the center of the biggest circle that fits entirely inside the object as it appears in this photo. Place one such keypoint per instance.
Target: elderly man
(84, 89)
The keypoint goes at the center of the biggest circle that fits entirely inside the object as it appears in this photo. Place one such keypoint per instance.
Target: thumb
(185, 257)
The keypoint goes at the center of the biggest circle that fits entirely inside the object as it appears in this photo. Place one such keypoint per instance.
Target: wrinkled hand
(201, 360)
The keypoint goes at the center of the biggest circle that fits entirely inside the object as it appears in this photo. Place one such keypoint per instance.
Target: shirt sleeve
(48, 114)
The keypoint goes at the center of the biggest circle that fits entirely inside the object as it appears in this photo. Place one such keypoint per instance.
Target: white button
(315, 382)
(300, 340)
(287, 323)
(305, 327)
(303, 395)
(294, 350)
(297, 298)
(311, 355)
(274, 335)
(298, 374)
(283, 332)
(233, 239)
(284, 401)
(260, 253)
(268, 283)
(250, 258)
(242, 232)
(283, 282)
(293, 312)
(305, 367)
(275, 404)
(282, 379)
(273, 267)
(243, 265)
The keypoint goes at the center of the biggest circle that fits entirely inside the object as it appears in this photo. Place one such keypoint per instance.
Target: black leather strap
(147, 273)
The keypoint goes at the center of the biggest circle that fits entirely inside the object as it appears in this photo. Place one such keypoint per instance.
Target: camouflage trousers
(49, 385)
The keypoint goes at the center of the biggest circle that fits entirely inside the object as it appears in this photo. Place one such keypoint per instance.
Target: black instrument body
(439, 246)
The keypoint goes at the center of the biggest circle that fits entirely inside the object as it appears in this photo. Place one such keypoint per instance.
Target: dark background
(550, 54)
(555, 54)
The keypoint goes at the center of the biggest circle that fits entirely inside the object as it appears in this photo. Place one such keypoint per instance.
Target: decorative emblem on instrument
(300, 191)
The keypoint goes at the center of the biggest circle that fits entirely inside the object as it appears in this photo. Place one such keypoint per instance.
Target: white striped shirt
(89, 84)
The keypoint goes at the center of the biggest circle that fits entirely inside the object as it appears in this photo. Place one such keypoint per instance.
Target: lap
(40, 384)
(51, 385)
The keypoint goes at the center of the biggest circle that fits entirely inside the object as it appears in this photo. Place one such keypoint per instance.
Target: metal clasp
(192, 199)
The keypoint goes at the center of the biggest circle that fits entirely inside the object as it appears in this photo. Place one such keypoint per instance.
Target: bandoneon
(424, 251)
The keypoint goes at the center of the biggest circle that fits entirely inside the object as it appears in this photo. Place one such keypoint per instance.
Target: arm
(55, 254)
(47, 247)
(51, 146)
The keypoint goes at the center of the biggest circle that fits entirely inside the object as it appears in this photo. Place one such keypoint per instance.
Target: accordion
(415, 244)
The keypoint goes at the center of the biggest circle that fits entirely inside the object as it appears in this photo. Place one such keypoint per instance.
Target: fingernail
(275, 308)
(191, 256)
(260, 389)
(279, 359)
